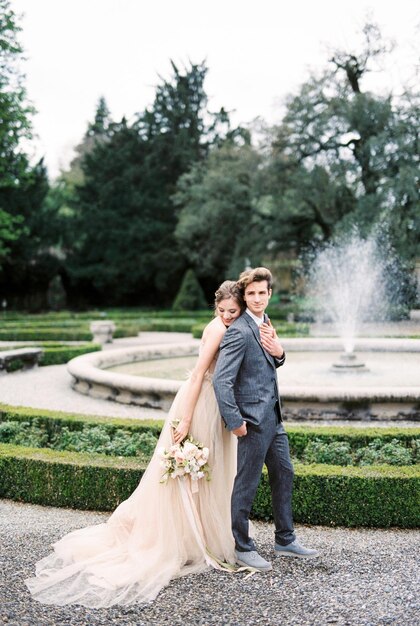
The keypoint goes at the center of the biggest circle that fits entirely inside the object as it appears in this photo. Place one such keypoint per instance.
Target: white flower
(190, 450)
(187, 458)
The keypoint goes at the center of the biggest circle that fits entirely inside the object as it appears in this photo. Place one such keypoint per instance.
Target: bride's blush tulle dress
(162, 531)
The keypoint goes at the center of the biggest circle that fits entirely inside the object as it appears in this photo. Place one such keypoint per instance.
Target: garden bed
(56, 353)
(370, 495)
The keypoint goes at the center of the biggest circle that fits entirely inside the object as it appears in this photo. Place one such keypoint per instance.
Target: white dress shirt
(257, 320)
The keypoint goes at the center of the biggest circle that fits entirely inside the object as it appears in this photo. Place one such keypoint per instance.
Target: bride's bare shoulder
(214, 329)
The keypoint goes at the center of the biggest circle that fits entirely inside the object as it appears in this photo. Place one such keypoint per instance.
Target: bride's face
(228, 310)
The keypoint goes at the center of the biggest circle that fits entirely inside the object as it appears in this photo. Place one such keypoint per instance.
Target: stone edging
(90, 378)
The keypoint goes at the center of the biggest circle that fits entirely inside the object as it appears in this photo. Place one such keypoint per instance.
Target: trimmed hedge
(375, 496)
(45, 334)
(180, 325)
(283, 329)
(329, 495)
(62, 354)
(54, 421)
(42, 333)
(299, 436)
(65, 479)
(63, 317)
(56, 353)
(75, 327)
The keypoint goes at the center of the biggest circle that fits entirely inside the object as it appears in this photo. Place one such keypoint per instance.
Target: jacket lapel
(256, 332)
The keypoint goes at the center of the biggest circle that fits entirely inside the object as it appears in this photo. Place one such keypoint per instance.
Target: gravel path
(362, 578)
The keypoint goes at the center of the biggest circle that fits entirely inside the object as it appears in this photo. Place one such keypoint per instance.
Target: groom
(245, 384)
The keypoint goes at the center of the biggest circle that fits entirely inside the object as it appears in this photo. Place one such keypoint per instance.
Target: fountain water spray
(348, 281)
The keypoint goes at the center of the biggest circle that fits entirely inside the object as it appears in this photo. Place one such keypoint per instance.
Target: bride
(163, 530)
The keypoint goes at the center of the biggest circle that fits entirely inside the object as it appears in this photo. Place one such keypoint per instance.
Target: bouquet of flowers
(188, 458)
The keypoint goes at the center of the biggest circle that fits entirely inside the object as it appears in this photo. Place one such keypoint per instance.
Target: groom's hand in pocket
(241, 431)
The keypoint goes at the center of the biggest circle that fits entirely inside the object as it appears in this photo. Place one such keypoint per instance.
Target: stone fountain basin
(91, 376)
(353, 398)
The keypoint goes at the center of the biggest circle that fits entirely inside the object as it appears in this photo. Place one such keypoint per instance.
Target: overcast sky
(256, 51)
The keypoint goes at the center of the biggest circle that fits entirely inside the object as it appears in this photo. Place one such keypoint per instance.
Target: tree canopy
(25, 229)
(344, 155)
(126, 250)
(179, 188)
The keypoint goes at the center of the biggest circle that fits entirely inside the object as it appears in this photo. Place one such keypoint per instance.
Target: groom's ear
(270, 291)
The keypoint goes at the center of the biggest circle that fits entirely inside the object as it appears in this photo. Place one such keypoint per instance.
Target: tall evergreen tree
(23, 225)
(15, 112)
(127, 251)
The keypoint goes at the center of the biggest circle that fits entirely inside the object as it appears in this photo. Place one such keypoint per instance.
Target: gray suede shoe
(254, 560)
(295, 549)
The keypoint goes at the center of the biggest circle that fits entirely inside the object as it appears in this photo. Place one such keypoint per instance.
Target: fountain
(324, 378)
(349, 285)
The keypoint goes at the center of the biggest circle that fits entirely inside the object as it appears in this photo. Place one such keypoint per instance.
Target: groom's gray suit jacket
(245, 380)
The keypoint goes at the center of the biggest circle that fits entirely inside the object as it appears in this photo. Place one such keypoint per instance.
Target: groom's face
(256, 296)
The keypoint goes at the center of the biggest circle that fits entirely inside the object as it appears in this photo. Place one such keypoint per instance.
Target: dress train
(162, 531)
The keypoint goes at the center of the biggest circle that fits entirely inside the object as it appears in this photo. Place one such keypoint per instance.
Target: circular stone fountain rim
(92, 380)
(89, 367)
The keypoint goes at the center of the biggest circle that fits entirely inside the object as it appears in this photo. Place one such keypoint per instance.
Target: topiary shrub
(56, 294)
(190, 295)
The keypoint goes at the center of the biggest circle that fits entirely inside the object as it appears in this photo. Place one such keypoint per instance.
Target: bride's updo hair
(229, 289)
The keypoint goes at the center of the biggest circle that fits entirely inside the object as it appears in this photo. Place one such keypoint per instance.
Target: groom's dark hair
(257, 275)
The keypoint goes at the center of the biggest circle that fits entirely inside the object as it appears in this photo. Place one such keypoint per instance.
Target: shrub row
(376, 452)
(373, 497)
(377, 497)
(299, 436)
(181, 325)
(278, 312)
(76, 327)
(54, 421)
(82, 332)
(93, 439)
(78, 333)
(66, 479)
(56, 354)
(97, 438)
(284, 329)
(45, 334)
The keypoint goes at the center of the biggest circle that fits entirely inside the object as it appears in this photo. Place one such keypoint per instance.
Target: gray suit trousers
(269, 446)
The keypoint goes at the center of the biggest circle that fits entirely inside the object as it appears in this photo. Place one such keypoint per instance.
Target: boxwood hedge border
(372, 496)
(380, 496)
(55, 353)
(299, 435)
